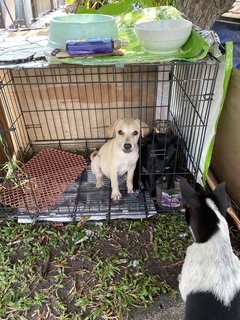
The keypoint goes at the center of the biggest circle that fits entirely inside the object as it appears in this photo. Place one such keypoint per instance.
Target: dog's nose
(127, 146)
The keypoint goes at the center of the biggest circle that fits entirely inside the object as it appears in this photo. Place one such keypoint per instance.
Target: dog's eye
(135, 133)
(120, 132)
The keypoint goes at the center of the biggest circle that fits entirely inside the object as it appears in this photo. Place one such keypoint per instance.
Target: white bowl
(163, 36)
(81, 26)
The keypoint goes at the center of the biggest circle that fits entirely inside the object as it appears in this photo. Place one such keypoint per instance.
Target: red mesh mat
(50, 172)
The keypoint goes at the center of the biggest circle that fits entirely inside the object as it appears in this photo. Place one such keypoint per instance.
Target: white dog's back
(210, 278)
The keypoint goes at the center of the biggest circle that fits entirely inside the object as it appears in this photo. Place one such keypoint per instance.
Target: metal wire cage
(60, 110)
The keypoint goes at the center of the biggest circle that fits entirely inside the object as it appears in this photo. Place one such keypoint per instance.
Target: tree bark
(203, 13)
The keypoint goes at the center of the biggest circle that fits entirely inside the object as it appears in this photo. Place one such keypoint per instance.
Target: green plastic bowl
(81, 27)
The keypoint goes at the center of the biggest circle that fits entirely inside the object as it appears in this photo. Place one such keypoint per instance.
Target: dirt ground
(164, 307)
(64, 271)
(69, 271)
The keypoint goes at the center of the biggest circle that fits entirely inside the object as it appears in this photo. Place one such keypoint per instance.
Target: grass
(86, 271)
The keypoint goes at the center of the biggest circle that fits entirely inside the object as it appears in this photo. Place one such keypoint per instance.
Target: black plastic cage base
(83, 200)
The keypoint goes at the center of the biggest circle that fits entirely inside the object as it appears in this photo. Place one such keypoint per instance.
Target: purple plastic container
(91, 46)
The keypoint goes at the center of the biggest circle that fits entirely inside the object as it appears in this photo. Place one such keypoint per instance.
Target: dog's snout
(127, 146)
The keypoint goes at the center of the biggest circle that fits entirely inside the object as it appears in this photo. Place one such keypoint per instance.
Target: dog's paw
(99, 184)
(116, 195)
(130, 190)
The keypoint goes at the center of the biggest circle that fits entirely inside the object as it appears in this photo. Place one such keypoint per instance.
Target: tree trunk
(203, 13)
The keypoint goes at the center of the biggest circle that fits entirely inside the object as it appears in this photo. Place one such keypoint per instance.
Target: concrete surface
(163, 308)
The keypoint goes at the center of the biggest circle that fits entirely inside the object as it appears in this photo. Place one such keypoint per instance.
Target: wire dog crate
(54, 117)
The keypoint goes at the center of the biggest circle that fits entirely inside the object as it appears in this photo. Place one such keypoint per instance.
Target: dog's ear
(144, 128)
(111, 129)
(187, 191)
(222, 198)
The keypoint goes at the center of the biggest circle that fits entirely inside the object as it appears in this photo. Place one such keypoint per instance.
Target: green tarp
(196, 48)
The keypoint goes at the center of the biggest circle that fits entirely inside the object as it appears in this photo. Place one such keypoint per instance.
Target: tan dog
(119, 155)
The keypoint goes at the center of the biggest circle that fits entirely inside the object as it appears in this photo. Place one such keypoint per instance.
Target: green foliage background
(96, 4)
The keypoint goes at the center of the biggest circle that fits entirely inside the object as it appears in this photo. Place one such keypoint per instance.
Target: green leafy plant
(12, 171)
(116, 7)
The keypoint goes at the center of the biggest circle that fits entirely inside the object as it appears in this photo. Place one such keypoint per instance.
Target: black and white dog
(210, 278)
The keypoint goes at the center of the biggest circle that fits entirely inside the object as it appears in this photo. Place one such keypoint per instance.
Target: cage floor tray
(82, 199)
(50, 172)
